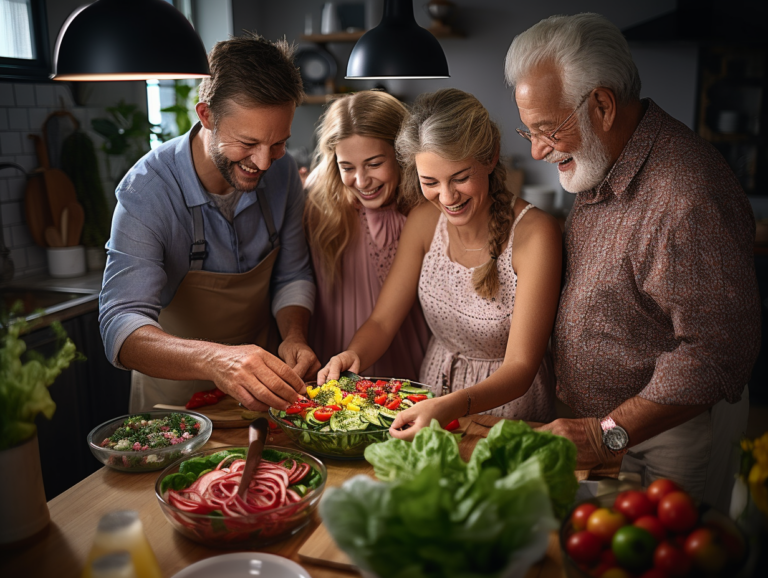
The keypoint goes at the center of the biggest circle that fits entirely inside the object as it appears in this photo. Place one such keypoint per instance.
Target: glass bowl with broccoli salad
(340, 418)
(148, 441)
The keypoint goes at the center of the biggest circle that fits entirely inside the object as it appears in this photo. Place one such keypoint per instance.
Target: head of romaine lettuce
(434, 515)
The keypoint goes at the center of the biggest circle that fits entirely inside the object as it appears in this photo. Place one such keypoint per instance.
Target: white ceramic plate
(244, 565)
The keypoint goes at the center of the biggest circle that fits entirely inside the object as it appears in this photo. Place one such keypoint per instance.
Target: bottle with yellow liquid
(115, 565)
(123, 530)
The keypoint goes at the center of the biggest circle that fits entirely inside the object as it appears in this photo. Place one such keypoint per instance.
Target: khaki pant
(702, 455)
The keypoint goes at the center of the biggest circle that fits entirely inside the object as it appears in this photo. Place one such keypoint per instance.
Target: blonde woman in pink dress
(484, 265)
(354, 215)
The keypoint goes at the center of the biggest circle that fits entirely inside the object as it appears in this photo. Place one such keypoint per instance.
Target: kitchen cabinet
(87, 393)
(733, 109)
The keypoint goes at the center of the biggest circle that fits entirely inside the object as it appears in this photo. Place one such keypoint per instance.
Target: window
(23, 40)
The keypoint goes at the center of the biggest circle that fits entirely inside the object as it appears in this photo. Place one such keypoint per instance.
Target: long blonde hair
(454, 125)
(330, 216)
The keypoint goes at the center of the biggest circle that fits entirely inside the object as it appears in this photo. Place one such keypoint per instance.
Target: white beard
(591, 160)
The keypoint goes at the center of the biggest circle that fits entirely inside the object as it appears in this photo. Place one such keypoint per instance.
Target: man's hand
(582, 433)
(300, 357)
(255, 377)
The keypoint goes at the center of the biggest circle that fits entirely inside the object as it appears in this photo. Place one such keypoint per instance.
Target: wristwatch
(615, 437)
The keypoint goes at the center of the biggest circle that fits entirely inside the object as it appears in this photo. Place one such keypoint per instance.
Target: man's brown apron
(231, 308)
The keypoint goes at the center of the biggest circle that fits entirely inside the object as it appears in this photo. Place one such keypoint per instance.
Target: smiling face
(245, 142)
(458, 188)
(369, 169)
(581, 158)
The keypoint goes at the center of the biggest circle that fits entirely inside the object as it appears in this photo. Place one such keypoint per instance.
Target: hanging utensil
(59, 190)
(53, 237)
(257, 436)
(76, 220)
(64, 226)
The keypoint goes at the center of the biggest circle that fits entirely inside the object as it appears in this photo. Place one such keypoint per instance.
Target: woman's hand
(338, 363)
(410, 421)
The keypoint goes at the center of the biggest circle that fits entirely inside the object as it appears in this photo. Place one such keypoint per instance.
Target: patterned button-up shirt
(660, 297)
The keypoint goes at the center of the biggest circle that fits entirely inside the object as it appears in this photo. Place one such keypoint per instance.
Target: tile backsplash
(23, 110)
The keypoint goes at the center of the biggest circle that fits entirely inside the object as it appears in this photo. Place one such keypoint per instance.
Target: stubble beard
(227, 167)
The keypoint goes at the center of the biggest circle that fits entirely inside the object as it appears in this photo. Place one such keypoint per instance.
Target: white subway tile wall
(23, 110)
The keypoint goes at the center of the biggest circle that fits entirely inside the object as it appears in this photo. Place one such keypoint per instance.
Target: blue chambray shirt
(148, 251)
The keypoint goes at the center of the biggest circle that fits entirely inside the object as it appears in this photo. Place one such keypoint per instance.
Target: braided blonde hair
(454, 125)
(330, 216)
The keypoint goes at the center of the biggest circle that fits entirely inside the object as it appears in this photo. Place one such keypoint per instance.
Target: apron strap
(274, 238)
(198, 251)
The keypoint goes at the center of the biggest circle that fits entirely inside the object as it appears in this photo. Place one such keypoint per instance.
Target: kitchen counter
(62, 549)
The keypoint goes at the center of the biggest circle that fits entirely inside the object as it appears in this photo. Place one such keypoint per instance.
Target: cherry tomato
(363, 385)
(660, 488)
(633, 504)
(584, 547)
(395, 387)
(334, 407)
(603, 523)
(394, 404)
(606, 562)
(303, 402)
(652, 524)
(382, 399)
(581, 514)
(633, 547)
(678, 512)
(671, 560)
(294, 409)
(417, 397)
(323, 413)
(706, 551)
(452, 425)
(381, 383)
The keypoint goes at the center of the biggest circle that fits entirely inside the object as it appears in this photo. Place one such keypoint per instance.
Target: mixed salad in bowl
(199, 496)
(340, 418)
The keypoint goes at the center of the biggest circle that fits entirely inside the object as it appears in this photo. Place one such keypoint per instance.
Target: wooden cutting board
(320, 548)
(226, 414)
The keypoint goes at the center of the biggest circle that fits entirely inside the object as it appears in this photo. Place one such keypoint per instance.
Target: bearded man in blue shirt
(207, 247)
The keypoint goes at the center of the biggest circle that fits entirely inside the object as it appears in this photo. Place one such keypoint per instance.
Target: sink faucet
(6, 267)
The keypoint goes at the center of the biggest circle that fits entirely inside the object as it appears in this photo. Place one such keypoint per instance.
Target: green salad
(141, 433)
(490, 516)
(342, 417)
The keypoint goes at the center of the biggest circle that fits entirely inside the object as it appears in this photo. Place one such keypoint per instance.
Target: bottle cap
(116, 521)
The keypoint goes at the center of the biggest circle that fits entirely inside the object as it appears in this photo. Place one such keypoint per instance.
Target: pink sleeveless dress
(470, 334)
(341, 311)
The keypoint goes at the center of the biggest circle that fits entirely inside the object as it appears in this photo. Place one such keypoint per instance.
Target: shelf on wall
(437, 31)
(321, 98)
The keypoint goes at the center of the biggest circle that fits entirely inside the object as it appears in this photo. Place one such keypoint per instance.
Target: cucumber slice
(371, 415)
(407, 403)
(347, 421)
(410, 390)
(388, 414)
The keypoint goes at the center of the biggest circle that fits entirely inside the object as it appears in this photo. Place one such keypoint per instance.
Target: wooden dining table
(61, 550)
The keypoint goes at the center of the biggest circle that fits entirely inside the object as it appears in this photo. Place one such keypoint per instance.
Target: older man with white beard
(659, 319)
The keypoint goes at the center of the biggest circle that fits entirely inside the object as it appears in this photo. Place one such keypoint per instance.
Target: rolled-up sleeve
(702, 276)
(134, 275)
(292, 279)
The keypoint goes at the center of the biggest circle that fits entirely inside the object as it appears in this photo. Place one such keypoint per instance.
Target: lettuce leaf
(435, 515)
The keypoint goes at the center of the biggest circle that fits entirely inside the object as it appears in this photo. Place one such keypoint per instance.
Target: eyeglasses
(550, 139)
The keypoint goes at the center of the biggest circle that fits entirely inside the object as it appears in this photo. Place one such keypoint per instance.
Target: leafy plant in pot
(23, 395)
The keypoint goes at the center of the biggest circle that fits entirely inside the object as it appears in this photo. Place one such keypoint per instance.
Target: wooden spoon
(257, 436)
(53, 237)
(65, 226)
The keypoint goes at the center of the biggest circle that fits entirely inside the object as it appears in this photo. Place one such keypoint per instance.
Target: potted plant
(23, 395)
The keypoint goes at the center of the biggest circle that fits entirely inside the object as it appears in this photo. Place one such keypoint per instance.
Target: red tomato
(607, 561)
(603, 523)
(581, 514)
(583, 547)
(678, 512)
(323, 413)
(653, 573)
(294, 409)
(417, 397)
(652, 525)
(394, 404)
(382, 399)
(660, 488)
(217, 392)
(381, 383)
(303, 402)
(452, 425)
(634, 504)
(671, 560)
(730, 539)
(334, 407)
(704, 548)
(395, 387)
(363, 385)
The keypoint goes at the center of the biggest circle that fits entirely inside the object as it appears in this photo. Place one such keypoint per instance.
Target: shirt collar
(632, 158)
(192, 188)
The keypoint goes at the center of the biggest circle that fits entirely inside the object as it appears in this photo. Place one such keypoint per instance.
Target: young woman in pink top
(484, 265)
(355, 212)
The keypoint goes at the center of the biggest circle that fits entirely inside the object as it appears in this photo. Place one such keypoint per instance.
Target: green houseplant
(24, 382)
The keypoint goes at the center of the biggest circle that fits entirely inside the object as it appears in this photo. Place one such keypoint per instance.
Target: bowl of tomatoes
(658, 532)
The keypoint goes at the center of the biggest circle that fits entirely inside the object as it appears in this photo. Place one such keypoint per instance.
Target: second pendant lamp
(397, 48)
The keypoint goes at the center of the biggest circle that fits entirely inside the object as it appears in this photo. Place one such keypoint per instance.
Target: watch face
(615, 438)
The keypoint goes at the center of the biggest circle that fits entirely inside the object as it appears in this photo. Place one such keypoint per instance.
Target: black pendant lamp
(128, 40)
(397, 48)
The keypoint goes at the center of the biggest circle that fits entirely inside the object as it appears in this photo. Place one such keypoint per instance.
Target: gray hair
(589, 50)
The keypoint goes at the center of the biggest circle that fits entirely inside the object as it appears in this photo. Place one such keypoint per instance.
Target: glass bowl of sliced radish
(198, 495)
(149, 441)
